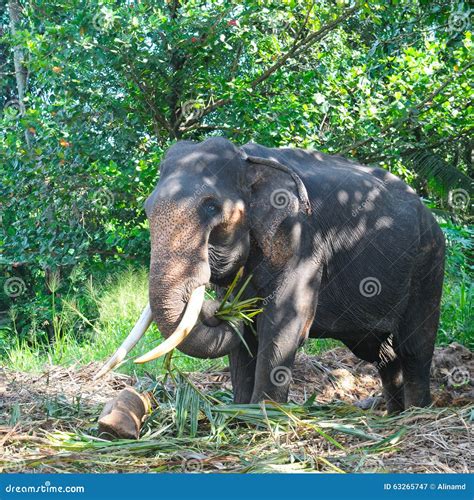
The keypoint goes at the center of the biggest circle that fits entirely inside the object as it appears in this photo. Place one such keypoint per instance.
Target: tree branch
(296, 49)
(210, 31)
(158, 117)
(198, 126)
(410, 151)
(21, 72)
(400, 121)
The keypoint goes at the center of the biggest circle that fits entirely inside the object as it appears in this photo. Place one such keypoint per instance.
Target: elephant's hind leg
(390, 371)
(392, 383)
(417, 331)
(381, 353)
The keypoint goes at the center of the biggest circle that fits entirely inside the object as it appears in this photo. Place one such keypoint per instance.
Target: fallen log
(123, 416)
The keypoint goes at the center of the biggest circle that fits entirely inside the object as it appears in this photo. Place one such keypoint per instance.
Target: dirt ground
(439, 440)
(339, 375)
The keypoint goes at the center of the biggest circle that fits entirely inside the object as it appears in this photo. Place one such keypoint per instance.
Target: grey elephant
(338, 250)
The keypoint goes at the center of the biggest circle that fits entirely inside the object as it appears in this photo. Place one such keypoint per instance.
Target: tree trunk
(21, 72)
(21, 76)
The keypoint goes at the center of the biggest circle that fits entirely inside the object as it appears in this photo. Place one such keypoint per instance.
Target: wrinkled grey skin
(364, 267)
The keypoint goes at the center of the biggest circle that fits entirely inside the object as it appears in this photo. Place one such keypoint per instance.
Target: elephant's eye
(211, 207)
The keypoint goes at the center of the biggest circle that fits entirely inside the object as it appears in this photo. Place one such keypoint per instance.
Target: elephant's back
(326, 175)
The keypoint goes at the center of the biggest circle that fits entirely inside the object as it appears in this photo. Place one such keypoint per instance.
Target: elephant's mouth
(208, 311)
(196, 308)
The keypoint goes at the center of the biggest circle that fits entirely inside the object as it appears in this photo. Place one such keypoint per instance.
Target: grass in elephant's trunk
(236, 311)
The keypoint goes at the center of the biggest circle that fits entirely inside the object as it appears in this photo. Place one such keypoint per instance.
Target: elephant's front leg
(282, 327)
(242, 367)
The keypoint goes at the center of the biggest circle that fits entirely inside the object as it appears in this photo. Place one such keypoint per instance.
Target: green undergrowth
(457, 306)
(104, 313)
(119, 303)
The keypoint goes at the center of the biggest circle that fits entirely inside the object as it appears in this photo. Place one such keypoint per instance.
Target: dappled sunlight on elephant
(335, 249)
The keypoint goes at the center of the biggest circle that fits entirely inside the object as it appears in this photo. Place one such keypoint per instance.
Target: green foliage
(111, 85)
(457, 313)
(236, 311)
(104, 314)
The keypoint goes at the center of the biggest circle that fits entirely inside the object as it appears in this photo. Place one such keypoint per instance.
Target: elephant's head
(200, 225)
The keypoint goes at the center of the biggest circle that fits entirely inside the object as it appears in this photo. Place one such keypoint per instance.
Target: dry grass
(48, 423)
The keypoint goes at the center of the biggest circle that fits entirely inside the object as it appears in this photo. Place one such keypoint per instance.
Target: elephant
(336, 249)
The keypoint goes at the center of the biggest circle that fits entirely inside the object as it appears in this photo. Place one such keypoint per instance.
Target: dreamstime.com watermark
(190, 465)
(47, 487)
(280, 198)
(280, 376)
(192, 110)
(14, 287)
(370, 287)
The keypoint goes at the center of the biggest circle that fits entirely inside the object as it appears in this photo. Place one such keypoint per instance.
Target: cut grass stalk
(236, 311)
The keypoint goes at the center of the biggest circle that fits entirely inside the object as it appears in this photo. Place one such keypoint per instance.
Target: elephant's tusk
(134, 336)
(186, 324)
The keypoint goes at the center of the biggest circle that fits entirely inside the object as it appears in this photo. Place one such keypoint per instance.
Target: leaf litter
(48, 422)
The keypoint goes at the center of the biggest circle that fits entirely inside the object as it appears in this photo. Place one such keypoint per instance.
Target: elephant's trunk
(179, 271)
(169, 296)
(179, 264)
(209, 338)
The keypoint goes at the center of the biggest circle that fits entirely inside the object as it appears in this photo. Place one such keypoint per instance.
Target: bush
(457, 322)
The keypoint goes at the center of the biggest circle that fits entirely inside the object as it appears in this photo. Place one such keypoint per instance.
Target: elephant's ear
(302, 193)
(277, 199)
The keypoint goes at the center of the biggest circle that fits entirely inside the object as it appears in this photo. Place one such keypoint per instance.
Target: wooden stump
(122, 417)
